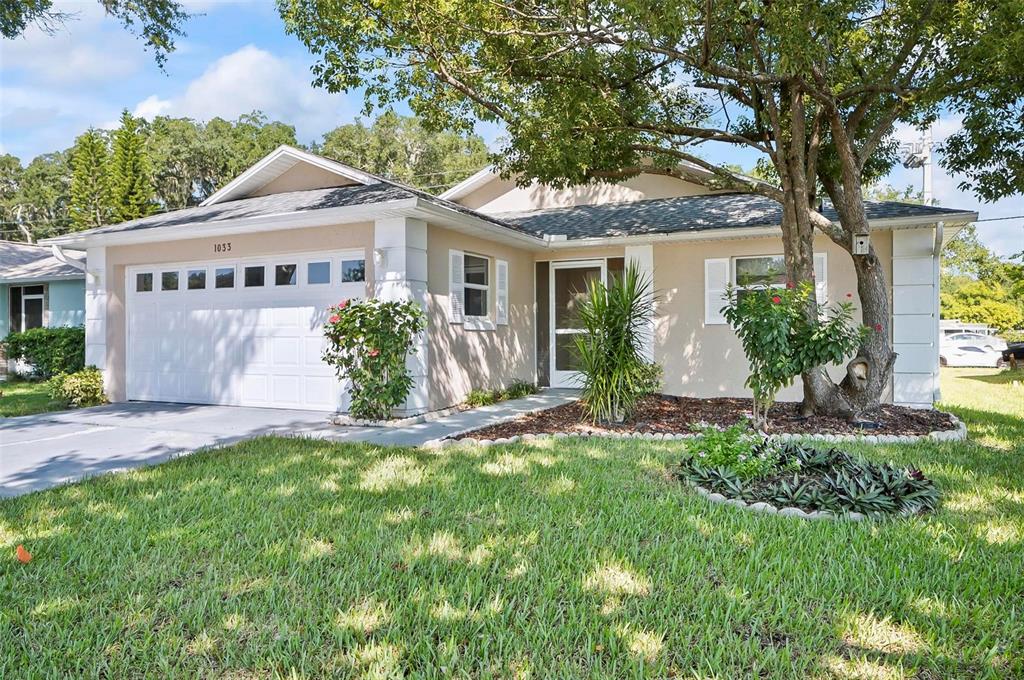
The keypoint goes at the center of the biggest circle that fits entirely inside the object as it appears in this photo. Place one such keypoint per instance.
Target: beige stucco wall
(500, 195)
(300, 177)
(318, 239)
(707, 360)
(462, 359)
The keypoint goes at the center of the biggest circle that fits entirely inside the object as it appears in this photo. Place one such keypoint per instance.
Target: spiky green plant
(615, 373)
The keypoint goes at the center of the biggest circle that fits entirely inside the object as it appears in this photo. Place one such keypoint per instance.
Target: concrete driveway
(43, 450)
(40, 451)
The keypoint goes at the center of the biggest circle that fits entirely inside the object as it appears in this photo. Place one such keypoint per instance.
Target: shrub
(615, 374)
(819, 479)
(83, 388)
(368, 343)
(736, 448)
(49, 351)
(782, 340)
(518, 389)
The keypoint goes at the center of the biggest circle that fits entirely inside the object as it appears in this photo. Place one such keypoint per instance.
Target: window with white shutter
(501, 298)
(716, 280)
(456, 285)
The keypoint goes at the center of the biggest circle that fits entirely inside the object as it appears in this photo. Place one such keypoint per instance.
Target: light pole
(919, 155)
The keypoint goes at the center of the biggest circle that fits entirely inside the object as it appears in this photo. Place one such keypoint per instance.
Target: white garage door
(238, 332)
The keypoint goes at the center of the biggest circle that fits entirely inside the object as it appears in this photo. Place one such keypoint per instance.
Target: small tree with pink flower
(368, 344)
(781, 340)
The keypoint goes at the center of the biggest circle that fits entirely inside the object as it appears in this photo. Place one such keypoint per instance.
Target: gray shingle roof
(685, 214)
(262, 206)
(24, 262)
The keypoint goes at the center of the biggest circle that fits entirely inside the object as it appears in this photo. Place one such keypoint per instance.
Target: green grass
(23, 398)
(287, 558)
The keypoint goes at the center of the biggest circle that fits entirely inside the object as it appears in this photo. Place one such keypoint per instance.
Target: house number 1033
(224, 247)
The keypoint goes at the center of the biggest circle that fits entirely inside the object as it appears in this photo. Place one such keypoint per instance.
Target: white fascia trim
(41, 279)
(228, 190)
(471, 183)
(246, 225)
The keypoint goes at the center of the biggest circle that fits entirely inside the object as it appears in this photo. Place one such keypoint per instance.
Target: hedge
(49, 351)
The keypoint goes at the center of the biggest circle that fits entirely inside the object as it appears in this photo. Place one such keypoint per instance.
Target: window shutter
(501, 299)
(456, 279)
(821, 278)
(716, 280)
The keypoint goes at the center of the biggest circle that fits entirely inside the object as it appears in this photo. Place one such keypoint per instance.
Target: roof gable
(282, 167)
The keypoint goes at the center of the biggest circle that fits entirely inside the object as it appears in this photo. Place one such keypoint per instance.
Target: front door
(568, 285)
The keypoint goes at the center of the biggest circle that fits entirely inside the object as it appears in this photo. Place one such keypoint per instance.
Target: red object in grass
(790, 284)
(776, 299)
(23, 555)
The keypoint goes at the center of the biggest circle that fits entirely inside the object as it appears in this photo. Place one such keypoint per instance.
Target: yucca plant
(615, 373)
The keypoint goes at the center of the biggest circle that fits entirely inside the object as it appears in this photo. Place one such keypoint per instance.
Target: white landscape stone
(761, 506)
(793, 512)
(716, 497)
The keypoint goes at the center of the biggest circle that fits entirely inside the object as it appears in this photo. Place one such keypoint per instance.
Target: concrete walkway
(40, 451)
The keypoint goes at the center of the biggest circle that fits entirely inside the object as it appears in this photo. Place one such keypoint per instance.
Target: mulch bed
(667, 414)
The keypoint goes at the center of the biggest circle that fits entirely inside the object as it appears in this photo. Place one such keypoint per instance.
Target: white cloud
(251, 79)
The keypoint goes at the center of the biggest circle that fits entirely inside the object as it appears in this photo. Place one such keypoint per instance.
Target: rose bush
(368, 343)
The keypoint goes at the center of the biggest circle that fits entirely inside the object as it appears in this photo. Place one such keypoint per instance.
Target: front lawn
(551, 560)
(23, 398)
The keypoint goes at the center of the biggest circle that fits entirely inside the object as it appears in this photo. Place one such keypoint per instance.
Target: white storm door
(569, 283)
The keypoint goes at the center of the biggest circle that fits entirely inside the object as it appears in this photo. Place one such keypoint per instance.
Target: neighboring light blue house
(37, 289)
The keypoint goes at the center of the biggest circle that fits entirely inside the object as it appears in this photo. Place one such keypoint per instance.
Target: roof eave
(41, 278)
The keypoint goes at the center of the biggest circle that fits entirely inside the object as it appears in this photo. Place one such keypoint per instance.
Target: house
(39, 289)
(223, 303)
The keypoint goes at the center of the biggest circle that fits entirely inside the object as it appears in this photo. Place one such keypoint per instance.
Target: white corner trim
(470, 184)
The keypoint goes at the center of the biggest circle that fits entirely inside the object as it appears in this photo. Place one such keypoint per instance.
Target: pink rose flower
(334, 318)
(374, 352)
(776, 299)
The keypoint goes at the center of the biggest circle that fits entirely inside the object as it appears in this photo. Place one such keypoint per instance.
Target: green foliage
(516, 390)
(368, 343)
(157, 22)
(49, 351)
(980, 287)
(805, 477)
(34, 200)
(615, 319)
(401, 148)
(744, 453)
(81, 389)
(90, 186)
(781, 340)
(131, 183)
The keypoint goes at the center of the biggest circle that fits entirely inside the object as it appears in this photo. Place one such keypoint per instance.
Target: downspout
(936, 278)
(62, 257)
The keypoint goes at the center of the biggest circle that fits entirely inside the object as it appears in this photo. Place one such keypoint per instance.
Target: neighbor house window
(144, 282)
(318, 272)
(224, 277)
(27, 303)
(169, 281)
(286, 274)
(353, 270)
(254, 276)
(476, 285)
(197, 279)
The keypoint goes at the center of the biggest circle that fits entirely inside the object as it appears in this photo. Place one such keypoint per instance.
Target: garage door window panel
(353, 271)
(255, 276)
(286, 274)
(169, 281)
(225, 277)
(197, 279)
(144, 282)
(318, 273)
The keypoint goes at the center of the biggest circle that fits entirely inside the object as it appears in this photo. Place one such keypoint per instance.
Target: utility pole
(919, 155)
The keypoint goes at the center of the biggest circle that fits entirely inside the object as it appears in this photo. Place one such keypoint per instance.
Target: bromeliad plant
(782, 340)
(615, 373)
(368, 343)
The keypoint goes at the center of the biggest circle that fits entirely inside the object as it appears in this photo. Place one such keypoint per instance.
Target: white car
(976, 339)
(969, 355)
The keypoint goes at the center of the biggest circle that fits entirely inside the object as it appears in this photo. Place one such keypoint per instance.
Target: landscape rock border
(959, 433)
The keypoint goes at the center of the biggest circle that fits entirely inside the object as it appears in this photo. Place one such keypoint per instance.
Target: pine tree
(130, 175)
(90, 185)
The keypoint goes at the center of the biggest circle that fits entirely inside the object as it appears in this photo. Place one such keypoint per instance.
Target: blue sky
(236, 58)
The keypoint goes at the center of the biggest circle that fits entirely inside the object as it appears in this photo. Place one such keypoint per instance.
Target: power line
(1001, 219)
